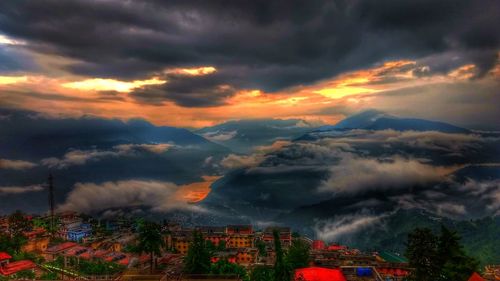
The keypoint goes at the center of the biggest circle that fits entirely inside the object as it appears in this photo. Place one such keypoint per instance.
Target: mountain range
(366, 174)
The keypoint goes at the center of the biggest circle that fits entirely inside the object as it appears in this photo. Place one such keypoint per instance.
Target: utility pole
(51, 201)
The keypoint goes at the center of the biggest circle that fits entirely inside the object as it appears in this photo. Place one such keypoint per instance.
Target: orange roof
(319, 274)
(86, 255)
(16, 266)
(4, 256)
(476, 277)
(61, 247)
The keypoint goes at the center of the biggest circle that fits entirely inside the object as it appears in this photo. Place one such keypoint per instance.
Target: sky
(88, 86)
(198, 63)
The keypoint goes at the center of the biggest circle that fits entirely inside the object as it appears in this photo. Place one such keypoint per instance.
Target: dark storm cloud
(189, 91)
(271, 44)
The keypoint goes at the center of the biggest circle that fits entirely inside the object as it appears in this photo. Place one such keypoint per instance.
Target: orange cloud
(98, 84)
(12, 79)
(355, 90)
(196, 71)
(197, 191)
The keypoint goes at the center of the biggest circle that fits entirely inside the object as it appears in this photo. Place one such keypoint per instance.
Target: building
(318, 245)
(181, 243)
(239, 229)
(284, 232)
(214, 234)
(247, 256)
(8, 268)
(36, 245)
(240, 241)
(229, 255)
(38, 241)
(77, 232)
(239, 236)
(51, 252)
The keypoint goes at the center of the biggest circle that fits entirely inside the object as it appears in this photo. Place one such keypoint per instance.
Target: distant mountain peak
(373, 119)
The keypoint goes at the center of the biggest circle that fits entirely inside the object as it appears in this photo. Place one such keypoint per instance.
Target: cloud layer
(156, 196)
(81, 157)
(16, 164)
(353, 175)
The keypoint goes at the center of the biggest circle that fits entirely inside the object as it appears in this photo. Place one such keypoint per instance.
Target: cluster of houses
(76, 239)
(236, 243)
(73, 238)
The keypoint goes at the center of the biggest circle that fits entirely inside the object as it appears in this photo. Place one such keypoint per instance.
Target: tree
(197, 260)
(438, 258)
(25, 274)
(49, 276)
(18, 223)
(454, 263)
(150, 240)
(298, 255)
(223, 267)
(261, 246)
(262, 273)
(11, 245)
(282, 271)
(422, 254)
(222, 245)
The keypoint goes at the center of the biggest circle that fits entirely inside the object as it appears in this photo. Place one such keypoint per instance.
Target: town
(71, 246)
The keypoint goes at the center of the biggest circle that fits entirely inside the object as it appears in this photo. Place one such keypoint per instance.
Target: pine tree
(282, 270)
(298, 255)
(454, 263)
(422, 255)
(197, 260)
(150, 240)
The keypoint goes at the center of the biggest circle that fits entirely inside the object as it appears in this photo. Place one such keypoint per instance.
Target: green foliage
(224, 267)
(18, 223)
(11, 245)
(455, 264)
(197, 260)
(282, 271)
(222, 245)
(49, 276)
(210, 247)
(422, 255)
(45, 223)
(262, 273)
(56, 240)
(261, 246)
(438, 258)
(479, 237)
(28, 256)
(131, 248)
(150, 240)
(25, 274)
(298, 255)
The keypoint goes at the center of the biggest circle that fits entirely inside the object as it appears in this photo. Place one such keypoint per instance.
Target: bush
(49, 276)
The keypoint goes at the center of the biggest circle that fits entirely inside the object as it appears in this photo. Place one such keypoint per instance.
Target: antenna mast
(51, 201)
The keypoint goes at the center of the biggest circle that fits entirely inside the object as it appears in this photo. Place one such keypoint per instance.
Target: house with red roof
(4, 258)
(8, 268)
(59, 249)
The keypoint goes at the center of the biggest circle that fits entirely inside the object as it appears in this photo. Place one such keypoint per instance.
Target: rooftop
(4, 256)
(61, 247)
(16, 266)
